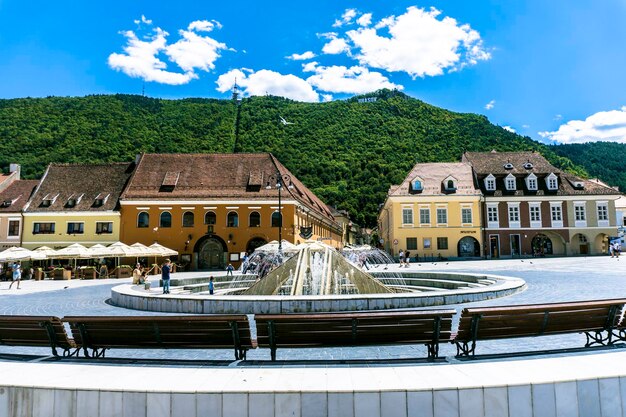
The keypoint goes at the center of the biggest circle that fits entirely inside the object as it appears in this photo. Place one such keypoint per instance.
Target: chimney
(17, 169)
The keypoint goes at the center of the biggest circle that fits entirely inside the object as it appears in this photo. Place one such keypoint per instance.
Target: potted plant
(88, 272)
(38, 274)
(124, 271)
(62, 273)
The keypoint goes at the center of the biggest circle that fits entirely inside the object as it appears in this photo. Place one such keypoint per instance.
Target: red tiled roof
(17, 194)
(241, 176)
(432, 176)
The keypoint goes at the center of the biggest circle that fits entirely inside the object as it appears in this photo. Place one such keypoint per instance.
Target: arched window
(255, 219)
(276, 219)
(210, 218)
(143, 219)
(188, 219)
(166, 219)
(232, 220)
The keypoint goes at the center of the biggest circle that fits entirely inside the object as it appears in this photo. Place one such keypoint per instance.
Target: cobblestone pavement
(548, 280)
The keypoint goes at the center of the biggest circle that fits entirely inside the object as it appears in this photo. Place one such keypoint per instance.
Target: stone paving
(548, 280)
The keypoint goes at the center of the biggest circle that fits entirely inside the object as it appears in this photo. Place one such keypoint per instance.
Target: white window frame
(425, 210)
(552, 182)
(580, 214)
(556, 207)
(513, 208)
(465, 210)
(444, 210)
(535, 221)
(407, 214)
(493, 217)
(603, 222)
(490, 183)
(102, 233)
(19, 228)
(510, 183)
(531, 182)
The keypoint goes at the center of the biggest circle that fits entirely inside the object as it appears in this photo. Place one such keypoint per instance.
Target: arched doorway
(541, 245)
(254, 243)
(580, 243)
(468, 247)
(602, 243)
(211, 252)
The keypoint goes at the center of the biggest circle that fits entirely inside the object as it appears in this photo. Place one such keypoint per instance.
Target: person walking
(401, 256)
(407, 259)
(165, 276)
(211, 286)
(229, 270)
(17, 275)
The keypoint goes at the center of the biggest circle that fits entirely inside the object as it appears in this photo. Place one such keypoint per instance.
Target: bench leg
(465, 349)
(433, 351)
(69, 353)
(597, 338)
(243, 353)
(273, 354)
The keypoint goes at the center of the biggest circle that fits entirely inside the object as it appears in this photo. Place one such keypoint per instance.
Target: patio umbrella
(142, 250)
(45, 251)
(16, 253)
(73, 251)
(98, 251)
(119, 250)
(160, 250)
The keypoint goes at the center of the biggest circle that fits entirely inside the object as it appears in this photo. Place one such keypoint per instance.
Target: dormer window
(6, 203)
(48, 200)
(449, 184)
(528, 165)
(531, 182)
(100, 200)
(508, 165)
(490, 183)
(417, 185)
(71, 202)
(552, 182)
(509, 182)
(577, 184)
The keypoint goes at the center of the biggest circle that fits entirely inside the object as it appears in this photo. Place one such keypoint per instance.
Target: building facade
(434, 213)
(531, 208)
(212, 208)
(14, 194)
(75, 203)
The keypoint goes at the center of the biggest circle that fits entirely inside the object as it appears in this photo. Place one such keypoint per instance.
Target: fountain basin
(474, 287)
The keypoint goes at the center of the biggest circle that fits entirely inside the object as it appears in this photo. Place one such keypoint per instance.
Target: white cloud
(365, 19)
(558, 117)
(418, 42)
(509, 128)
(525, 126)
(192, 52)
(327, 97)
(602, 126)
(143, 20)
(340, 79)
(346, 18)
(302, 57)
(336, 46)
(262, 82)
(490, 105)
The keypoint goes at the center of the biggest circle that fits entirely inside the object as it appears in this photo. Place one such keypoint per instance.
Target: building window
(509, 182)
(14, 228)
(552, 182)
(426, 243)
(43, 228)
(556, 213)
(210, 218)
(535, 215)
(424, 216)
(143, 219)
(166, 219)
(407, 216)
(603, 212)
(255, 219)
(579, 213)
(466, 215)
(442, 243)
(416, 185)
(75, 228)
(490, 183)
(232, 220)
(531, 182)
(188, 219)
(411, 243)
(276, 219)
(442, 216)
(514, 216)
(492, 214)
(104, 228)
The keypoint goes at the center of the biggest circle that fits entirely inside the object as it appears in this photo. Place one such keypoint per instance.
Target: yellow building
(75, 203)
(435, 212)
(212, 208)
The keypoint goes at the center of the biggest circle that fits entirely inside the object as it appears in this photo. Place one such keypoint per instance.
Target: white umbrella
(16, 253)
(73, 251)
(98, 251)
(121, 250)
(160, 250)
(143, 250)
(45, 251)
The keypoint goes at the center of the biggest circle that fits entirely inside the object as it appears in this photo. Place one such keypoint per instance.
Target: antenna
(143, 89)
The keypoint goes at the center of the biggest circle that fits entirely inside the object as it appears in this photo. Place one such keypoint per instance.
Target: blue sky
(551, 70)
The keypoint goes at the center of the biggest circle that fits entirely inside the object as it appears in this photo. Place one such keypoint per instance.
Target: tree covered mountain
(348, 152)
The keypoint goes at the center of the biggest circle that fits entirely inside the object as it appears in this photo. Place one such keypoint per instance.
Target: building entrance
(211, 254)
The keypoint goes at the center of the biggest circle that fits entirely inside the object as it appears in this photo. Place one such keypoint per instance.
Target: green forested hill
(345, 151)
(605, 160)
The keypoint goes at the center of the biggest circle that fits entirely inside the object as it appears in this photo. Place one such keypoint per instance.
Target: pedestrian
(137, 272)
(244, 263)
(229, 270)
(17, 274)
(407, 258)
(165, 276)
(211, 286)
(401, 256)
(618, 249)
(612, 249)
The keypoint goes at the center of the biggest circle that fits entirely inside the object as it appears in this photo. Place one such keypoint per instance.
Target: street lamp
(279, 180)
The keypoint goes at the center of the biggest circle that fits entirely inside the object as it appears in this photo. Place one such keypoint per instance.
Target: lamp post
(280, 179)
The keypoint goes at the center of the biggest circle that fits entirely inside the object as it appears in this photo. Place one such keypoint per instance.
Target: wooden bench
(597, 319)
(429, 327)
(99, 333)
(44, 331)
